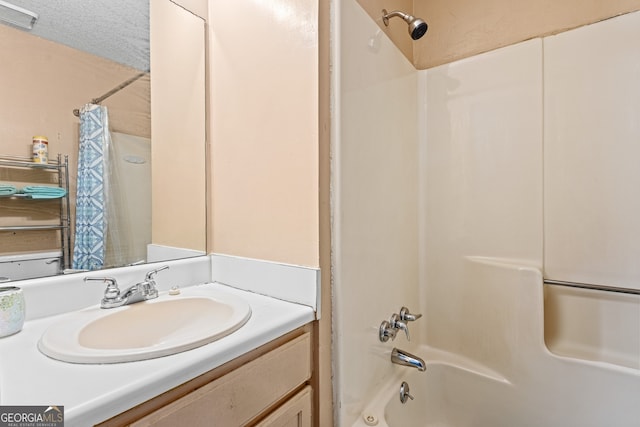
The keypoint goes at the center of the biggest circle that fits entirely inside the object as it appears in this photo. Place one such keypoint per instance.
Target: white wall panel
(482, 182)
(592, 153)
(374, 202)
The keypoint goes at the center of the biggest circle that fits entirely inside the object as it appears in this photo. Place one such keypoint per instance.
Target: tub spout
(401, 357)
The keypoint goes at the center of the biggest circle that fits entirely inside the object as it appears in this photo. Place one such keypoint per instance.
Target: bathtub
(29, 265)
(456, 392)
(448, 396)
(453, 392)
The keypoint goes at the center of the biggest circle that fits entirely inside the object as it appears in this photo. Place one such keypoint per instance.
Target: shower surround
(511, 379)
(442, 191)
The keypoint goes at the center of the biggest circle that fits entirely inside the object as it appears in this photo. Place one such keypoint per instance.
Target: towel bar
(593, 287)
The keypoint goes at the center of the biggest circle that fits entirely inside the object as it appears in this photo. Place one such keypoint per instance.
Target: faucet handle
(152, 274)
(386, 331)
(406, 316)
(397, 323)
(405, 392)
(112, 284)
(111, 293)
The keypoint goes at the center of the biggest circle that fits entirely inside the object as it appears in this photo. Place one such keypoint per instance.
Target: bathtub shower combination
(511, 379)
(461, 188)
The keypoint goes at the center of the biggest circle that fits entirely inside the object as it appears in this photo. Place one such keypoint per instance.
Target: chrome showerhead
(417, 27)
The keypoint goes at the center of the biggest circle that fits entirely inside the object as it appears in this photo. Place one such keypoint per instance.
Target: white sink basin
(166, 325)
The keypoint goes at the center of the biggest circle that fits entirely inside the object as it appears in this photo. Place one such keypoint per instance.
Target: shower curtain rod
(116, 89)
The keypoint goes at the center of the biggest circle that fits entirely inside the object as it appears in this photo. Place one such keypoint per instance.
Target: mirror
(70, 57)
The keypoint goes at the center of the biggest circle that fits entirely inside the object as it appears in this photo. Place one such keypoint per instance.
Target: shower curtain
(91, 193)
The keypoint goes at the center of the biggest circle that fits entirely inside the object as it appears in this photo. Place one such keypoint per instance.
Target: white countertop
(94, 393)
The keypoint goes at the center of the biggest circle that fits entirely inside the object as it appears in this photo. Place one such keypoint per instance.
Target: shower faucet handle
(396, 323)
(406, 316)
(405, 392)
(386, 331)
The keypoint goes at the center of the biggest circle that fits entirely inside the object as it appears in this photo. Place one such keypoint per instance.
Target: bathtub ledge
(434, 355)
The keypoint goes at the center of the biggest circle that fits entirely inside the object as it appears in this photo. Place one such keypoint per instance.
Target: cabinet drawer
(240, 396)
(295, 412)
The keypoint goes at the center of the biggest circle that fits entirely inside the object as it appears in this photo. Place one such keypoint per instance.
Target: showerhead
(417, 27)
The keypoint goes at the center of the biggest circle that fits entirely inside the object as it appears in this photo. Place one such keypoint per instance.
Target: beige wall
(48, 81)
(264, 129)
(269, 140)
(178, 126)
(462, 28)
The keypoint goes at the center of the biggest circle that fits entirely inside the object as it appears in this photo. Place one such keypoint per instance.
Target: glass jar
(12, 310)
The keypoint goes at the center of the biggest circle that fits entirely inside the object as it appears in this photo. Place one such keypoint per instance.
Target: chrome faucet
(407, 316)
(397, 322)
(386, 331)
(401, 357)
(114, 297)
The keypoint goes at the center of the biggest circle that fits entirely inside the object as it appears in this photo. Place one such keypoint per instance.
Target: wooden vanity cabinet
(295, 412)
(268, 387)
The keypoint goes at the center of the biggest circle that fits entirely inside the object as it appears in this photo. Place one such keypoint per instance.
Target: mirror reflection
(93, 203)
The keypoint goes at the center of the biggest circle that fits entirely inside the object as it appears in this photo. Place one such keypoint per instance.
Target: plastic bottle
(40, 149)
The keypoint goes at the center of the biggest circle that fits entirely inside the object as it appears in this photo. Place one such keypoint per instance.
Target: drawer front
(295, 412)
(240, 396)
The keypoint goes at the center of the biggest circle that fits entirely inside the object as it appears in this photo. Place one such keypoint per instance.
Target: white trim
(158, 253)
(63, 293)
(18, 16)
(293, 283)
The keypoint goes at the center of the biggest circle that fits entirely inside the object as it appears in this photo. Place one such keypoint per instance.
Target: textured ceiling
(114, 29)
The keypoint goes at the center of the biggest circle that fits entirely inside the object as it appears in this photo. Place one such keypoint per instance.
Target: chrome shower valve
(386, 331)
(397, 324)
(406, 316)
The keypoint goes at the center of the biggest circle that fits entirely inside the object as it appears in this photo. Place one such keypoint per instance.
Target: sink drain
(370, 420)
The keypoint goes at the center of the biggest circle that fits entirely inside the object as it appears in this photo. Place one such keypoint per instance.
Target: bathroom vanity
(266, 387)
(259, 375)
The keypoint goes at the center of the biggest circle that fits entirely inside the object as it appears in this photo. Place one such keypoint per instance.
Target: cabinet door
(243, 394)
(295, 412)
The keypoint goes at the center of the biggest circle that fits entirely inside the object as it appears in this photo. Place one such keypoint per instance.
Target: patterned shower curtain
(91, 193)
